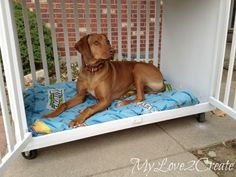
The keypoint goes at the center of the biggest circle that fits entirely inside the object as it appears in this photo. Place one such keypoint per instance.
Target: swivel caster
(201, 117)
(29, 155)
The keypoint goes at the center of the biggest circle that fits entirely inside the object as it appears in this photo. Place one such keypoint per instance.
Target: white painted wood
(188, 51)
(5, 114)
(119, 30)
(41, 41)
(112, 126)
(156, 32)
(217, 46)
(10, 58)
(12, 72)
(228, 110)
(54, 42)
(98, 15)
(87, 17)
(138, 30)
(221, 50)
(147, 31)
(10, 157)
(231, 14)
(77, 35)
(129, 30)
(109, 20)
(218, 63)
(234, 106)
(28, 40)
(231, 66)
(17, 48)
(66, 40)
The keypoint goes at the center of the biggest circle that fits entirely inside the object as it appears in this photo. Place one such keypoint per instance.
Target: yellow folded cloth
(41, 127)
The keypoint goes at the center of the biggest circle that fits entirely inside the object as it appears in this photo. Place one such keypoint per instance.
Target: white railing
(230, 68)
(54, 42)
(11, 88)
(224, 91)
(232, 14)
(10, 141)
(66, 40)
(129, 28)
(28, 40)
(147, 30)
(109, 20)
(77, 35)
(41, 40)
(156, 34)
(119, 29)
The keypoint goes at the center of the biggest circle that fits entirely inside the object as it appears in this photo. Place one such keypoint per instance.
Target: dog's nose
(112, 51)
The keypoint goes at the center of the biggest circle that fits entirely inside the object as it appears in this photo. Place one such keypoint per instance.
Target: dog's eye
(96, 43)
(108, 42)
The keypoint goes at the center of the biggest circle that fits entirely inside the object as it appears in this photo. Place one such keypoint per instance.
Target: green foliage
(35, 40)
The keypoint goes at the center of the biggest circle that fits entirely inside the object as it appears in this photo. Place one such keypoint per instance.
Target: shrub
(34, 39)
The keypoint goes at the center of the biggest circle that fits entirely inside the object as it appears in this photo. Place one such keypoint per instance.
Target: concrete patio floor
(125, 153)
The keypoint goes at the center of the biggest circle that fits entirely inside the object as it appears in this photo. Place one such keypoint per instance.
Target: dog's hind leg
(140, 92)
(154, 91)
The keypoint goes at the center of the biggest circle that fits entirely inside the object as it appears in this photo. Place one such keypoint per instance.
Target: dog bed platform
(41, 99)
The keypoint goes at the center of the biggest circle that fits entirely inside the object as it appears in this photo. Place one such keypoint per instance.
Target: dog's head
(95, 47)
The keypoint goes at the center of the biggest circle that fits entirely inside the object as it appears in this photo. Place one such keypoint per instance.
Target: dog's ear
(104, 34)
(83, 47)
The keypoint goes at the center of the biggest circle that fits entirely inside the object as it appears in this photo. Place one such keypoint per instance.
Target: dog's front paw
(76, 123)
(121, 103)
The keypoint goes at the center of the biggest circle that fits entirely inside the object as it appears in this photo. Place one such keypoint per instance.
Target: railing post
(10, 55)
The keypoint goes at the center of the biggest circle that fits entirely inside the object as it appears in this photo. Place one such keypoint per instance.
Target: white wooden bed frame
(193, 48)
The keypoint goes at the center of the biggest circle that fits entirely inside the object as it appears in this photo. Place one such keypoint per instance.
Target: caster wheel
(29, 155)
(201, 117)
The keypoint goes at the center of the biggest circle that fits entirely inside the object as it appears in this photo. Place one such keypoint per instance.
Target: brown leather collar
(94, 67)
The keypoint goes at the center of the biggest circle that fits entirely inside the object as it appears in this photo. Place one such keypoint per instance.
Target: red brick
(93, 22)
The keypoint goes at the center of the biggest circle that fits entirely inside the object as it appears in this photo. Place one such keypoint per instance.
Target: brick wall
(93, 22)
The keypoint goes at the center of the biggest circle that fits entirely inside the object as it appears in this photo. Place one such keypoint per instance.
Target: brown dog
(108, 80)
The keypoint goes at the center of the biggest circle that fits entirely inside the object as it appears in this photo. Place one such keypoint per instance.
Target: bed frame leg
(29, 155)
(201, 117)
